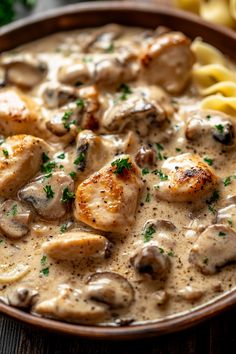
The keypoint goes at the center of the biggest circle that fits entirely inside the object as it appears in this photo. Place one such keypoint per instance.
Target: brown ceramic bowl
(131, 14)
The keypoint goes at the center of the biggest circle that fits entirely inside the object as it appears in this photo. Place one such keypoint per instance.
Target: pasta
(222, 12)
(215, 79)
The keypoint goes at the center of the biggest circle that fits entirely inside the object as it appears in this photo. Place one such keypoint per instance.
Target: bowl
(129, 14)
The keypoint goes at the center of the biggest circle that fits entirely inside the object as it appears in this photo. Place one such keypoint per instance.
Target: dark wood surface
(214, 337)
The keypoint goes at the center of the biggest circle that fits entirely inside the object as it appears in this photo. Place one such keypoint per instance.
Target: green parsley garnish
(227, 181)
(45, 271)
(121, 165)
(159, 149)
(213, 199)
(205, 260)
(80, 103)
(45, 157)
(178, 150)
(79, 159)
(221, 234)
(161, 250)
(5, 152)
(67, 195)
(230, 222)
(1, 241)
(13, 210)
(125, 89)
(43, 260)
(170, 253)
(7, 9)
(65, 119)
(61, 156)
(208, 116)
(145, 171)
(73, 175)
(48, 166)
(220, 128)
(49, 192)
(208, 161)
(63, 228)
(161, 175)
(110, 48)
(148, 198)
(148, 233)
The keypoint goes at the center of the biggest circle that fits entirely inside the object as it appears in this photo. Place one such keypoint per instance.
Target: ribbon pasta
(219, 11)
(215, 78)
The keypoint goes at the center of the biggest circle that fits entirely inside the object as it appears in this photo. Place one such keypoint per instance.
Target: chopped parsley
(48, 166)
(5, 152)
(148, 233)
(227, 181)
(67, 195)
(159, 149)
(208, 116)
(49, 192)
(161, 250)
(45, 157)
(170, 253)
(110, 48)
(230, 222)
(65, 119)
(221, 234)
(61, 156)
(161, 175)
(205, 260)
(79, 159)
(213, 199)
(80, 103)
(145, 171)
(125, 91)
(208, 161)
(121, 165)
(148, 198)
(220, 128)
(63, 228)
(1, 241)
(13, 211)
(43, 260)
(45, 271)
(73, 175)
(178, 150)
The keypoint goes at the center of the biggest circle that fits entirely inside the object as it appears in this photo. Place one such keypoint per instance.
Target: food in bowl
(117, 175)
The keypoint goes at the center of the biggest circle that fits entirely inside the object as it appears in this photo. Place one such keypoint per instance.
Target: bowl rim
(135, 331)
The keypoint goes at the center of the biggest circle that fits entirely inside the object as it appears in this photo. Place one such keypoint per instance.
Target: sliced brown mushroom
(14, 219)
(168, 61)
(75, 74)
(190, 293)
(145, 157)
(151, 260)
(76, 245)
(161, 297)
(214, 248)
(24, 71)
(70, 305)
(56, 95)
(227, 215)
(111, 289)
(49, 195)
(22, 297)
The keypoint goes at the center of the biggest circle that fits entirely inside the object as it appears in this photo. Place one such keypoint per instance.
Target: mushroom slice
(49, 195)
(190, 293)
(111, 289)
(102, 39)
(24, 71)
(214, 248)
(19, 114)
(23, 298)
(13, 275)
(227, 215)
(20, 160)
(185, 178)
(55, 95)
(133, 109)
(76, 245)
(70, 305)
(145, 157)
(107, 200)
(14, 219)
(168, 61)
(150, 260)
(75, 74)
(214, 124)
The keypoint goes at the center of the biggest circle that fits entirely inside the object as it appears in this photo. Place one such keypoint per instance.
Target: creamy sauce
(184, 286)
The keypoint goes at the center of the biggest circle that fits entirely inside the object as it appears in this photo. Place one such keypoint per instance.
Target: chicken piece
(20, 160)
(49, 195)
(214, 248)
(107, 200)
(185, 178)
(70, 305)
(20, 115)
(76, 245)
(167, 61)
(140, 108)
(201, 124)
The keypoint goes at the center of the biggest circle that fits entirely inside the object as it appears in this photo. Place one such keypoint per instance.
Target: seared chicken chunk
(107, 200)
(19, 114)
(75, 245)
(214, 248)
(70, 305)
(20, 160)
(185, 178)
(167, 61)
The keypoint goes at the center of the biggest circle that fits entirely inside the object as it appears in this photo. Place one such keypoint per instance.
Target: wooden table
(215, 336)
